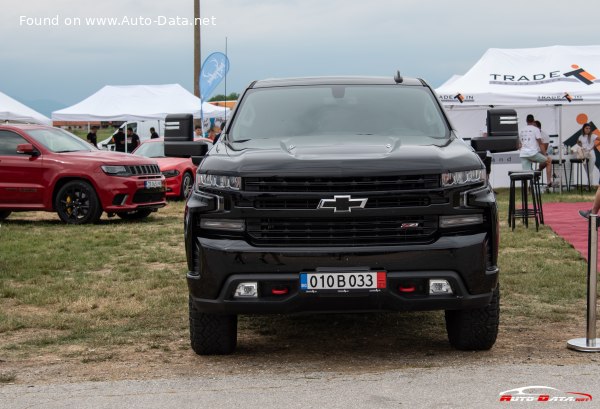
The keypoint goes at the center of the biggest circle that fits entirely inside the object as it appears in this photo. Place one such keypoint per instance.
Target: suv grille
(137, 170)
(347, 184)
(342, 231)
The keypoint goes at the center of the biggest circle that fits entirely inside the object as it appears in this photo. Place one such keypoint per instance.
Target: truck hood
(354, 155)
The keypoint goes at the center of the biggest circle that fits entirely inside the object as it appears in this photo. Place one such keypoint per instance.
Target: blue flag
(212, 73)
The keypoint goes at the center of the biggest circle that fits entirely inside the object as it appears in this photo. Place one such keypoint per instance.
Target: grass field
(68, 290)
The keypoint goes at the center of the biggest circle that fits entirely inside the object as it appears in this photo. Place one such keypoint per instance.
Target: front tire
(187, 185)
(135, 214)
(77, 203)
(212, 334)
(475, 329)
(4, 214)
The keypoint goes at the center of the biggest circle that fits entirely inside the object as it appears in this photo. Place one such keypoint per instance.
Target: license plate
(343, 282)
(152, 184)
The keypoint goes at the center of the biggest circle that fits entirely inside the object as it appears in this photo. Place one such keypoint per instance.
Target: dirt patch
(344, 344)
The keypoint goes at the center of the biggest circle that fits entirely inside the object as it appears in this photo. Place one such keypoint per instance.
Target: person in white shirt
(532, 150)
(587, 149)
(545, 142)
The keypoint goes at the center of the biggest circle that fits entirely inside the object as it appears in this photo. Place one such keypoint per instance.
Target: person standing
(588, 149)
(119, 140)
(133, 140)
(92, 136)
(153, 134)
(198, 132)
(531, 149)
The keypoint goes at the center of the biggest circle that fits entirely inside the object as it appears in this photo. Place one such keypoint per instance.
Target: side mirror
(27, 149)
(503, 132)
(496, 144)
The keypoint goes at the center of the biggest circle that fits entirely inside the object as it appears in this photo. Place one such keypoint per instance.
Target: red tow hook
(280, 291)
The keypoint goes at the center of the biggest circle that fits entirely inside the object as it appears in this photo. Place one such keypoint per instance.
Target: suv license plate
(343, 282)
(151, 184)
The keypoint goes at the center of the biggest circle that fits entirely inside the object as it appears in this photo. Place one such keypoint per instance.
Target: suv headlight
(219, 182)
(112, 170)
(464, 177)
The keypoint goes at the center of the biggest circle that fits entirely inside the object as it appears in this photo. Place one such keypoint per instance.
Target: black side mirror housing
(179, 138)
(503, 132)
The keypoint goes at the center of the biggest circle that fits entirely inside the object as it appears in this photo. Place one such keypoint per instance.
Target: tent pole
(560, 148)
(125, 129)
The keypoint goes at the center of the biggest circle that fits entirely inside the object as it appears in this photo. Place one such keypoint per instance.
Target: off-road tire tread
(474, 329)
(212, 334)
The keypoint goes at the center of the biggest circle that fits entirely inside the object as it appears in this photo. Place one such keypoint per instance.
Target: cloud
(268, 38)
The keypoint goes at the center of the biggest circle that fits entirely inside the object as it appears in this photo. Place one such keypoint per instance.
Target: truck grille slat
(342, 184)
(373, 203)
(342, 231)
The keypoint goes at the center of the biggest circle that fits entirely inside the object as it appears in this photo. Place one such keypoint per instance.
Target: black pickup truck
(341, 194)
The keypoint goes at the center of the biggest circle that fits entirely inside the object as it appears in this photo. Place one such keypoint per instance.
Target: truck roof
(339, 80)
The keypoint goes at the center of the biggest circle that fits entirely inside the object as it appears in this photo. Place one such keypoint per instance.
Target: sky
(49, 61)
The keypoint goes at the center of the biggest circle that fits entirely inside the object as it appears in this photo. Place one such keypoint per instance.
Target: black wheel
(475, 329)
(77, 203)
(212, 334)
(135, 214)
(4, 214)
(187, 185)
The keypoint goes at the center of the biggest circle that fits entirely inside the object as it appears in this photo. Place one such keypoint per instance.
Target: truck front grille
(342, 231)
(342, 184)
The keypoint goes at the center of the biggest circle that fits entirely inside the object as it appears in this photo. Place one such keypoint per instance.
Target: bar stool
(537, 175)
(579, 164)
(562, 164)
(528, 186)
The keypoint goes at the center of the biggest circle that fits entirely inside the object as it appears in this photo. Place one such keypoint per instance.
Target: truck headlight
(463, 177)
(113, 170)
(219, 182)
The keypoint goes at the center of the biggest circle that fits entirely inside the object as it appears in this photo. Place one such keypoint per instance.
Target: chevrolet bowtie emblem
(343, 204)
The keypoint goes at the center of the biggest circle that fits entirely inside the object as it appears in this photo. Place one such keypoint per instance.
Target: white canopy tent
(13, 110)
(138, 103)
(557, 84)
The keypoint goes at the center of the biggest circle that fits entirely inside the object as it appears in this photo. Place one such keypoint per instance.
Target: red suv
(44, 168)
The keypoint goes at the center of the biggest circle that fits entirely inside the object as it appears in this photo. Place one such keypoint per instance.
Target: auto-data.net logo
(542, 394)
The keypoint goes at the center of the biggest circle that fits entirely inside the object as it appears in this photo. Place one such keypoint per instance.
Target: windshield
(409, 113)
(151, 150)
(58, 140)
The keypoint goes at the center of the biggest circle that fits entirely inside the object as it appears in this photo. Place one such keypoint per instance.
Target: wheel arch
(63, 181)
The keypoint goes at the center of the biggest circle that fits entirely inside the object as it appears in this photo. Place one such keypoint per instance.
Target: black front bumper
(223, 264)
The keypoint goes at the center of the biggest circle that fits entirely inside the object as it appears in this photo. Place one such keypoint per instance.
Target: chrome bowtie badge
(342, 204)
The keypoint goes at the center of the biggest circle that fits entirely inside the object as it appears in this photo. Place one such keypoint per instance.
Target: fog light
(246, 290)
(439, 287)
(223, 224)
(460, 220)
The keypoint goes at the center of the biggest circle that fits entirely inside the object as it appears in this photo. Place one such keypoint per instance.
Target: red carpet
(565, 220)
